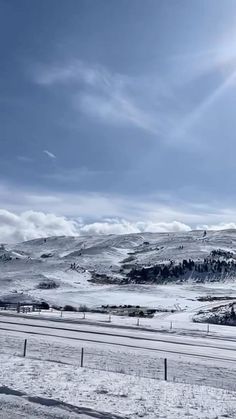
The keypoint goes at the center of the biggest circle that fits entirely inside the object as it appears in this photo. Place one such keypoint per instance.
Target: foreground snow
(119, 394)
(23, 406)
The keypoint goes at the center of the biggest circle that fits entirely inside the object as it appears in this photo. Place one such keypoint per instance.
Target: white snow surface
(122, 374)
(118, 394)
(22, 268)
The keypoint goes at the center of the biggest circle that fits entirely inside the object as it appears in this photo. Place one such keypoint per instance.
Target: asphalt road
(165, 343)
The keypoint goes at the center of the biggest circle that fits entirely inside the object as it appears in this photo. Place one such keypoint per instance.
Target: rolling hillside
(88, 268)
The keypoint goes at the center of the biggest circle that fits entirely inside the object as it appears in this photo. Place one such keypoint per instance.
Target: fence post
(138, 321)
(25, 344)
(109, 318)
(82, 358)
(61, 313)
(84, 315)
(171, 325)
(208, 328)
(165, 369)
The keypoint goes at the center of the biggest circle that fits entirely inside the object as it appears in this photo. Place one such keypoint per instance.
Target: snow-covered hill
(119, 268)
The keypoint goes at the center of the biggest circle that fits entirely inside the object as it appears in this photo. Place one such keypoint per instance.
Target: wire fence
(157, 324)
(137, 363)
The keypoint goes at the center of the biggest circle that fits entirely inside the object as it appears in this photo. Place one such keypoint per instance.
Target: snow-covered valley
(95, 270)
(123, 357)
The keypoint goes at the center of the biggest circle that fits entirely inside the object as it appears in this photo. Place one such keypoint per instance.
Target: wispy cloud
(218, 63)
(76, 71)
(49, 154)
(112, 98)
(196, 115)
(73, 175)
(116, 108)
(150, 103)
(206, 59)
(24, 159)
(98, 206)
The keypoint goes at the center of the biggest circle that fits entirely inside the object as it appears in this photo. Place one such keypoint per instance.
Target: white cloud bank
(220, 226)
(33, 224)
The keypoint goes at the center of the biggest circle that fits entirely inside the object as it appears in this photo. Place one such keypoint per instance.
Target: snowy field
(115, 382)
(53, 390)
(192, 358)
(25, 266)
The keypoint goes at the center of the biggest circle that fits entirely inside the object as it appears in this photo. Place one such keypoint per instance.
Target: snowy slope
(69, 264)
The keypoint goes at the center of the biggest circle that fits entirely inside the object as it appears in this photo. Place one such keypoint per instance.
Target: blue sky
(118, 113)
